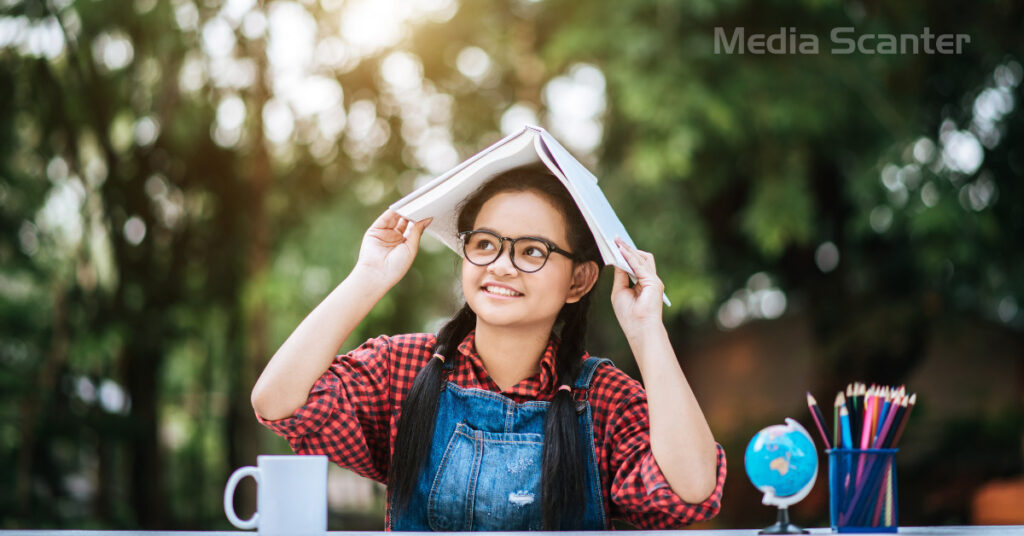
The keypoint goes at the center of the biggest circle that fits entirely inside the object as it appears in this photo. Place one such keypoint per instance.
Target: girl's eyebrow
(523, 236)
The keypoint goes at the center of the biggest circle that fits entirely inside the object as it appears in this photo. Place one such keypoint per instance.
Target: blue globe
(782, 462)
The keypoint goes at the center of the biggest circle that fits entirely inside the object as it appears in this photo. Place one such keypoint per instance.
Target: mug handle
(229, 496)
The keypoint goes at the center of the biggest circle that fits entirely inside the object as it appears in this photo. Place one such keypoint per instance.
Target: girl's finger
(386, 220)
(631, 257)
(630, 250)
(642, 262)
(647, 259)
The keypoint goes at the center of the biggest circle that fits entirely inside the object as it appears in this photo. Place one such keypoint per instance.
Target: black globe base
(782, 525)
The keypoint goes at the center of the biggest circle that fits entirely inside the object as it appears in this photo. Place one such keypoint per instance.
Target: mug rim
(272, 457)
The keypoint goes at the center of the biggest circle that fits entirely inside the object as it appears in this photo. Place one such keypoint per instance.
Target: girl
(497, 423)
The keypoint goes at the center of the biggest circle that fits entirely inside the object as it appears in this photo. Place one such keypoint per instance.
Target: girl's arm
(386, 254)
(681, 440)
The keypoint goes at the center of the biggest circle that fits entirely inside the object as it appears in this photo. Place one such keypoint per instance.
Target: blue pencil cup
(862, 490)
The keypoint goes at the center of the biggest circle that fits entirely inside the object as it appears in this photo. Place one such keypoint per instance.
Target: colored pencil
(903, 421)
(877, 404)
(837, 435)
(883, 432)
(844, 419)
(889, 501)
(900, 409)
(856, 418)
(850, 407)
(866, 426)
(883, 501)
(885, 401)
(866, 434)
(819, 420)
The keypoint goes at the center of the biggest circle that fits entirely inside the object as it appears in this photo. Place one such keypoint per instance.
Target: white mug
(291, 496)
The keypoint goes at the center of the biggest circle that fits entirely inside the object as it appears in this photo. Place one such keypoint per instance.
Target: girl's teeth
(502, 291)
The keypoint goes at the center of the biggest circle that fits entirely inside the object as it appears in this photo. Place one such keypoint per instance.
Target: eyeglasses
(528, 253)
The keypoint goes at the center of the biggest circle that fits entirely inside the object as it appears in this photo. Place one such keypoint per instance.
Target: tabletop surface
(977, 530)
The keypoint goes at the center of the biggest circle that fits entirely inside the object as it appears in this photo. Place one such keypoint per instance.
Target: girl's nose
(503, 264)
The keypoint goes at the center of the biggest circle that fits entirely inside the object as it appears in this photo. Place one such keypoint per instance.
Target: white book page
(441, 197)
(608, 253)
(594, 206)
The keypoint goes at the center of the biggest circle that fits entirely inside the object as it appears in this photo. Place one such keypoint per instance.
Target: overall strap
(587, 373)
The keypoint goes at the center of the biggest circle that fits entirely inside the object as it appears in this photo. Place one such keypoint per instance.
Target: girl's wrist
(645, 327)
(642, 334)
(369, 281)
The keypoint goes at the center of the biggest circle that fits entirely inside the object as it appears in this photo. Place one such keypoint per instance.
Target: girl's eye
(533, 251)
(484, 244)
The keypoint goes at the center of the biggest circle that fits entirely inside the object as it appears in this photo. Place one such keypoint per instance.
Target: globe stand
(782, 525)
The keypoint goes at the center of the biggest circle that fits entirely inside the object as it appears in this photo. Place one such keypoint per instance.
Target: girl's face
(538, 296)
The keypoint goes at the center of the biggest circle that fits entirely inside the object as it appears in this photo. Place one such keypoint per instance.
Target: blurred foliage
(169, 211)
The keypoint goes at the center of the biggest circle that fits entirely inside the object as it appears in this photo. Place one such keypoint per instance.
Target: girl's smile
(501, 291)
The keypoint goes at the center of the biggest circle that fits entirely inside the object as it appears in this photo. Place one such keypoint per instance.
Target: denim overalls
(484, 468)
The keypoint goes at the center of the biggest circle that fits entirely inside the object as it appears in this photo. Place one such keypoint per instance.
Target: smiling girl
(501, 421)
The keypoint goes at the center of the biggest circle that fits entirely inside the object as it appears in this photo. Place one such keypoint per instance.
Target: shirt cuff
(320, 405)
(659, 491)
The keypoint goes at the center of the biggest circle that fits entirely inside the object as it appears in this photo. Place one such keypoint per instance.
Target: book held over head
(441, 197)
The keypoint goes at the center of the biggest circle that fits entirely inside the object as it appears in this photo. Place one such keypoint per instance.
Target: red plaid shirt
(352, 417)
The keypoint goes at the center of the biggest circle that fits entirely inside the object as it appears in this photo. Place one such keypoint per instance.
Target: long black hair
(563, 471)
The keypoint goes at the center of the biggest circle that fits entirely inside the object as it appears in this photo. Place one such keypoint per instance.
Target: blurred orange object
(999, 502)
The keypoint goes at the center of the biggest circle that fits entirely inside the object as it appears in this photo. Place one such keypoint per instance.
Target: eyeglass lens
(528, 255)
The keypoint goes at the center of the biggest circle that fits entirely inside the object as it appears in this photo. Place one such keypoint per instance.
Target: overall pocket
(487, 481)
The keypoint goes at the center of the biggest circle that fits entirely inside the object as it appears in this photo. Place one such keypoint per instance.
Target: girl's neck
(511, 355)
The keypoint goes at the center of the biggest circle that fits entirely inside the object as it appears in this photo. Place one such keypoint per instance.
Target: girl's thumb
(417, 227)
(414, 232)
(621, 279)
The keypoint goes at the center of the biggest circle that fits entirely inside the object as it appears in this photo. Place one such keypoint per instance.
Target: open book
(440, 198)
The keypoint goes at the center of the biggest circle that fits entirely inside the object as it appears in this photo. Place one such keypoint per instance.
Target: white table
(991, 530)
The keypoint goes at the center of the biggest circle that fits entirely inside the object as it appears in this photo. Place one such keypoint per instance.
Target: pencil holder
(862, 490)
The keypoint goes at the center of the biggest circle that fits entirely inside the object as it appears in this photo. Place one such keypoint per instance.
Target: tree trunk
(244, 429)
(30, 405)
(142, 365)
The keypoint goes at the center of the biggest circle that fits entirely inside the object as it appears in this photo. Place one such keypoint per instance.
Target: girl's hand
(389, 247)
(639, 307)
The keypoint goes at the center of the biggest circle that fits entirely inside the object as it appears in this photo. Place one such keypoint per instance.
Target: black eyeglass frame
(552, 248)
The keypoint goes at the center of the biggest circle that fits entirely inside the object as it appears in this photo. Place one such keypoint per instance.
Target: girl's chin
(508, 315)
(499, 311)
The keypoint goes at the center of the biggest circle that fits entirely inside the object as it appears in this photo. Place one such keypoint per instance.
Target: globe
(782, 461)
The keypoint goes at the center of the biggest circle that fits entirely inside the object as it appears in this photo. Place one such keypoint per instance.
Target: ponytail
(563, 471)
(419, 412)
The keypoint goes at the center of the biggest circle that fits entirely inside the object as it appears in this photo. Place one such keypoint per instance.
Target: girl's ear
(584, 276)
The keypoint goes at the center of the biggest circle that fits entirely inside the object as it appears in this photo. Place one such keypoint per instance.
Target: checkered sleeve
(346, 415)
(639, 490)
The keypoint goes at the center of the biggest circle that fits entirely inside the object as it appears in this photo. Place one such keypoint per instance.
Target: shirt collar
(532, 387)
